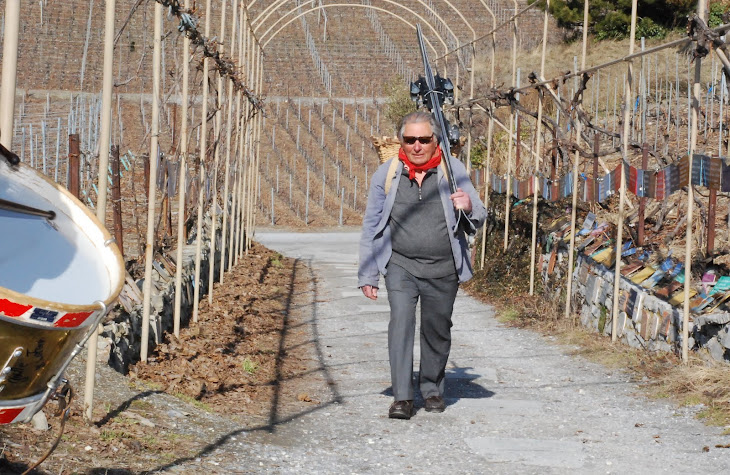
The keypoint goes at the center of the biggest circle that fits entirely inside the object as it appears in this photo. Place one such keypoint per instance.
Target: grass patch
(508, 315)
(150, 441)
(249, 365)
(108, 435)
(176, 436)
(192, 401)
(698, 383)
(142, 405)
(275, 260)
(124, 420)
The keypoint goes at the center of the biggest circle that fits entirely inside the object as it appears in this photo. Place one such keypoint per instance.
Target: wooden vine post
(258, 80)
(628, 95)
(576, 163)
(154, 141)
(243, 141)
(104, 141)
(238, 172)
(538, 154)
(702, 13)
(229, 127)
(216, 160)
(202, 171)
(507, 198)
(182, 161)
(11, 32)
(250, 159)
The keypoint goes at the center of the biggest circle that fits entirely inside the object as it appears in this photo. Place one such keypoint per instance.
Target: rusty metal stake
(711, 214)
(73, 165)
(117, 199)
(642, 200)
(596, 149)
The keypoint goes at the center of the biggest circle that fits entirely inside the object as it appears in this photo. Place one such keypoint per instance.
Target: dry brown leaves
(246, 356)
(233, 357)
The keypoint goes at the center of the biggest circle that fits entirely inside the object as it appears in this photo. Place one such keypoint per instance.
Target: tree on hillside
(398, 102)
(611, 19)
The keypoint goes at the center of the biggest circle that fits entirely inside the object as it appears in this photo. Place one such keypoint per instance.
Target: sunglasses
(422, 140)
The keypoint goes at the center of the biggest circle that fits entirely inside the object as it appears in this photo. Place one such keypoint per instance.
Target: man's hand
(370, 292)
(461, 200)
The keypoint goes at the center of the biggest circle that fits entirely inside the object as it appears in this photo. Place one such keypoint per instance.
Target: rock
(40, 422)
(724, 337)
(142, 420)
(715, 349)
(718, 318)
(177, 414)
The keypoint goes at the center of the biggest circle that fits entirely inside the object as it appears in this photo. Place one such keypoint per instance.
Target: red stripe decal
(8, 415)
(12, 309)
(72, 319)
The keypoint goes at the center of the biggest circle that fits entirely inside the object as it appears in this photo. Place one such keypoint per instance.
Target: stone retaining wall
(123, 335)
(645, 321)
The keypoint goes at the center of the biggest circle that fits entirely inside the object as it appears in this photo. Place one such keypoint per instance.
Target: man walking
(410, 235)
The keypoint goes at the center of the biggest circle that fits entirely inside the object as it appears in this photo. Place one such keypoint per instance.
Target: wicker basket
(387, 147)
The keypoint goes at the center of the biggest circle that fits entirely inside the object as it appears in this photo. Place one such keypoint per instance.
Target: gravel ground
(516, 403)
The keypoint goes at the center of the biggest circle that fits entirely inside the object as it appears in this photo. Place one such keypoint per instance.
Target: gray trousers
(437, 303)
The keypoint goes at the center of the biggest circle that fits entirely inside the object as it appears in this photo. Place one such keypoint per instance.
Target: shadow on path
(459, 385)
(274, 417)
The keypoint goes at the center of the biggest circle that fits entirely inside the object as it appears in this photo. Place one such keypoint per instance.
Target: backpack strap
(444, 169)
(391, 174)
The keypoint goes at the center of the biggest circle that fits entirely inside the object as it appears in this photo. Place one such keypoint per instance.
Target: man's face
(417, 152)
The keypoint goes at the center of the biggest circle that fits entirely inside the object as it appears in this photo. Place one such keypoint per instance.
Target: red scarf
(412, 169)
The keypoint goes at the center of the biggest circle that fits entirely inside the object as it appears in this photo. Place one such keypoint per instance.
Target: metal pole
(149, 245)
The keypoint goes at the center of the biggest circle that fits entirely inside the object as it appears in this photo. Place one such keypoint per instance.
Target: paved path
(515, 402)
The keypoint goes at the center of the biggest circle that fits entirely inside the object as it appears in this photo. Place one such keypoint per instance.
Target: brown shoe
(401, 410)
(434, 404)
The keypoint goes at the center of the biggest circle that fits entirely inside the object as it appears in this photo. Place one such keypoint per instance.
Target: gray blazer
(375, 244)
